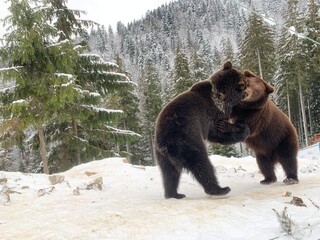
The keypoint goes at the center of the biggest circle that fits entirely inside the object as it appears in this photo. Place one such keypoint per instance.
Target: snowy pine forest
(73, 91)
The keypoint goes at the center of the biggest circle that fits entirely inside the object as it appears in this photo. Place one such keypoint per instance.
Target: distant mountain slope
(204, 26)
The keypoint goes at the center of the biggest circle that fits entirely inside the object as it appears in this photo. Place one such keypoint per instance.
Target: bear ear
(269, 88)
(248, 73)
(227, 65)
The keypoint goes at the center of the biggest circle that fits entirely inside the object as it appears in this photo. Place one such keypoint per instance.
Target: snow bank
(111, 199)
(312, 152)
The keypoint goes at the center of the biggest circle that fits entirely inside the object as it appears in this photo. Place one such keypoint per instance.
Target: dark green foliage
(227, 51)
(58, 88)
(181, 75)
(151, 105)
(223, 150)
(198, 66)
(258, 48)
(312, 50)
(291, 77)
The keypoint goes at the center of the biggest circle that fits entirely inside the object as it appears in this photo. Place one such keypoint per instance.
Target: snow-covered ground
(111, 199)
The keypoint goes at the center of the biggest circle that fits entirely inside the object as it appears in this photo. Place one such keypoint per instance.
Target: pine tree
(258, 48)
(227, 50)
(150, 107)
(128, 102)
(291, 76)
(92, 129)
(59, 88)
(101, 39)
(181, 73)
(312, 21)
(198, 66)
(206, 52)
(217, 58)
(43, 84)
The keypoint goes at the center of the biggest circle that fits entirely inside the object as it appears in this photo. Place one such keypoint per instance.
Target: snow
(16, 68)
(19, 101)
(311, 152)
(111, 199)
(3, 90)
(59, 43)
(270, 21)
(98, 59)
(125, 132)
(292, 31)
(98, 109)
(94, 94)
(67, 75)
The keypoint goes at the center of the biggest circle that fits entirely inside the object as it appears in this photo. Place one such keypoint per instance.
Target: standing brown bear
(188, 120)
(272, 137)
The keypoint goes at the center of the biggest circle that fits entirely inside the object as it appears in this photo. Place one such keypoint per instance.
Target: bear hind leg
(199, 165)
(171, 177)
(290, 167)
(266, 166)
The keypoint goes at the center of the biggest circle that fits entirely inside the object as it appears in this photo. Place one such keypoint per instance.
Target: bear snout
(245, 95)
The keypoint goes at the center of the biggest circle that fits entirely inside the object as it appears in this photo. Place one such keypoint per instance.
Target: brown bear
(272, 137)
(188, 120)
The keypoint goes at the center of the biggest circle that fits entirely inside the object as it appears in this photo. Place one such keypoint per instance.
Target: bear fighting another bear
(272, 137)
(192, 117)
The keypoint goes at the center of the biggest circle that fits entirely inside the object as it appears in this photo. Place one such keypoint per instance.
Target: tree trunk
(288, 101)
(127, 146)
(75, 134)
(310, 119)
(304, 116)
(43, 151)
(241, 149)
(152, 150)
(259, 62)
(128, 151)
(300, 124)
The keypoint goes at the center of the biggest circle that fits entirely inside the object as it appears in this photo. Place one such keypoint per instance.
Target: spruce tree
(291, 78)
(198, 66)
(227, 51)
(151, 105)
(181, 73)
(42, 74)
(127, 101)
(217, 58)
(312, 49)
(258, 48)
(60, 89)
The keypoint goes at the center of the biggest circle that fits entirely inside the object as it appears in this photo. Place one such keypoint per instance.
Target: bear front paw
(242, 130)
(223, 125)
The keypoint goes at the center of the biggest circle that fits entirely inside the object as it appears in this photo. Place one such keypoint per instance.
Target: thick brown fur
(188, 120)
(272, 137)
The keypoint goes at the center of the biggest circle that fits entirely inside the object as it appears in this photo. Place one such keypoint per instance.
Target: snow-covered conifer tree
(58, 87)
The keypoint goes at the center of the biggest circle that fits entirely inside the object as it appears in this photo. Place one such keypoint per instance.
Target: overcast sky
(106, 12)
(109, 12)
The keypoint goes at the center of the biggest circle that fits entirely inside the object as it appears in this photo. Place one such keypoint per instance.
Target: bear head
(228, 88)
(257, 89)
